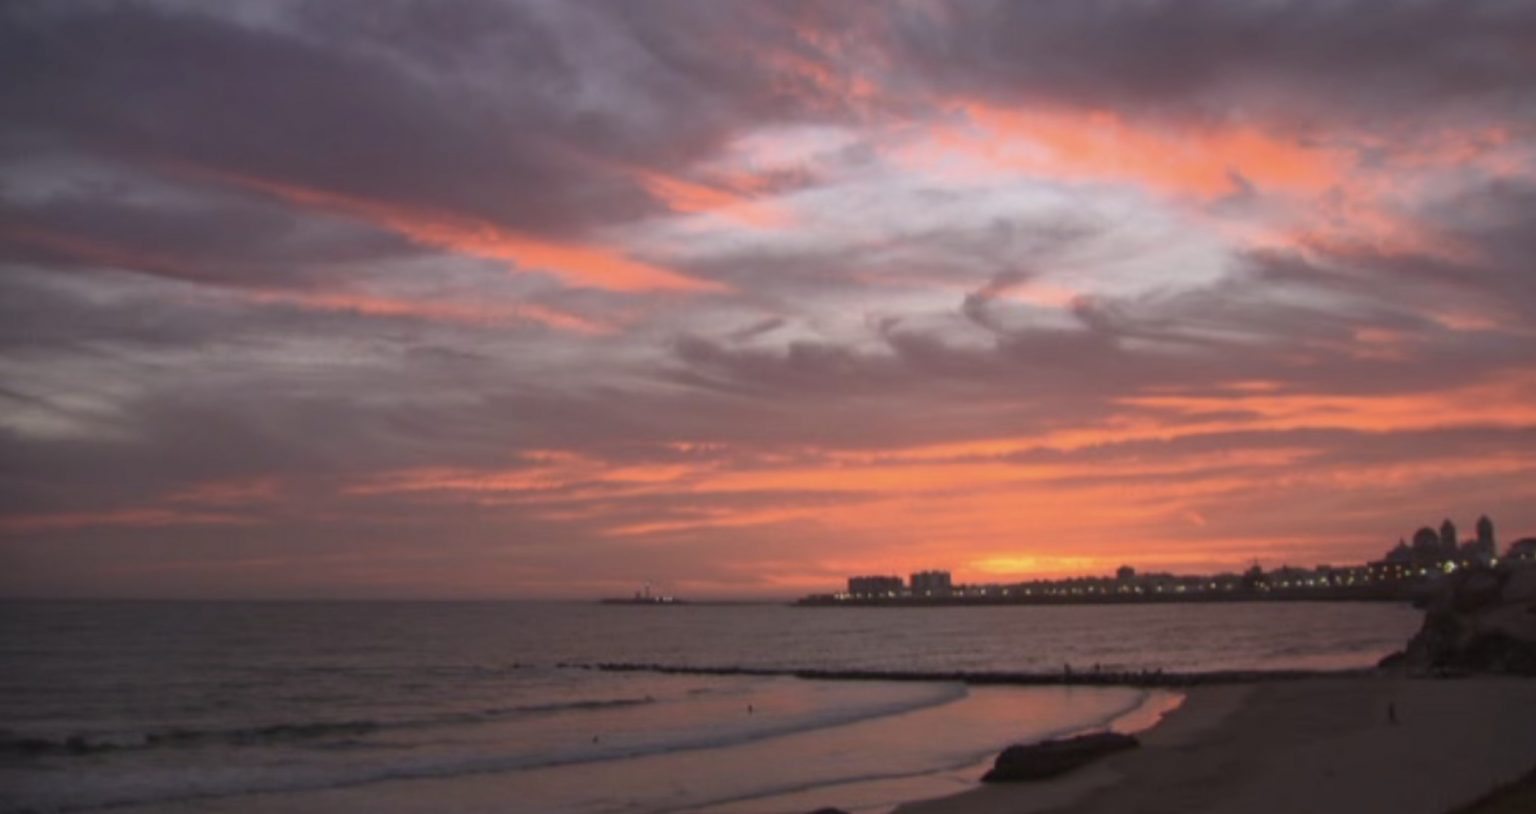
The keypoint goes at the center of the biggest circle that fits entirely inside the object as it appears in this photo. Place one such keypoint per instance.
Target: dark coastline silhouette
(1405, 573)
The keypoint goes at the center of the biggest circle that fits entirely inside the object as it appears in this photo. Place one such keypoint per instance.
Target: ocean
(418, 706)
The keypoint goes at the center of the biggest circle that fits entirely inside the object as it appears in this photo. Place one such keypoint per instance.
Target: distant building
(1523, 549)
(1433, 548)
(1426, 546)
(1448, 539)
(1125, 573)
(875, 586)
(1487, 548)
(931, 583)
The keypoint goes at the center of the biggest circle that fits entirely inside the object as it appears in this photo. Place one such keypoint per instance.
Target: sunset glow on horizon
(556, 299)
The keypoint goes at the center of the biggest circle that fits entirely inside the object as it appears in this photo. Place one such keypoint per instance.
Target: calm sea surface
(460, 707)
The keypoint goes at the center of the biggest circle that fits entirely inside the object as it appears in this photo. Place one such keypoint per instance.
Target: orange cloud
(817, 67)
(959, 506)
(488, 313)
(1505, 403)
(574, 478)
(1509, 402)
(955, 509)
(136, 518)
(229, 492)
(714, 519)
(113, 256)
(546, 470)
(1192, 160)
(103, 253)
(686, 196)
(988, 513)
(592, 266)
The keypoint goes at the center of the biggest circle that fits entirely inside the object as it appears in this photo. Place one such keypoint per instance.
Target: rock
(1055, 757)
(1477, 590)
(1521, 586)
(1481, 620)
(1395, 660)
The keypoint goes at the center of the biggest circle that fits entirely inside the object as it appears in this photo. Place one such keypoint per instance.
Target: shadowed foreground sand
(1317, 746)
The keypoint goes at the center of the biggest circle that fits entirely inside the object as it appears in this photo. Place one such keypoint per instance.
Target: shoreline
(1325, 745)
(897, 754)
(889, 794)
(1328, 744)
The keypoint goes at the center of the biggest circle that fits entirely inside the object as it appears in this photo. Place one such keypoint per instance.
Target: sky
(555, 298)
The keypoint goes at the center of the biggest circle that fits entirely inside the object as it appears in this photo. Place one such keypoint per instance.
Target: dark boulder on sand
(1055, 757)
(1481, 620)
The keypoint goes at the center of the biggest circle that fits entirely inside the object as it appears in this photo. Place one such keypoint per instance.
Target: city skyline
(1401, 573)
(552, 300)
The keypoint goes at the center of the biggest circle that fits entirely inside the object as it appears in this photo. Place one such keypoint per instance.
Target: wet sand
(1323, 745)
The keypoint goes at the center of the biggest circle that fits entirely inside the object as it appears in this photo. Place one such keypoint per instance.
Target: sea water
(482, 706)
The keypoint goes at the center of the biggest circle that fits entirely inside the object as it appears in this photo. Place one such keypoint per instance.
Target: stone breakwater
(1096, 678)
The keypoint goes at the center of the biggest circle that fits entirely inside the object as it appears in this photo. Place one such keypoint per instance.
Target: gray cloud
(1306, 63)
(526, 115)
(280, 108)
(221, 239)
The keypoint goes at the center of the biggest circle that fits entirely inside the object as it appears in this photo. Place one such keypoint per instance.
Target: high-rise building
(1487, 549)
(1448, 538)
(1426, 546)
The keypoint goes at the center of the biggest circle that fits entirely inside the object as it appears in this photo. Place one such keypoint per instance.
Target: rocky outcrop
(1050, 758)
(1481, 620)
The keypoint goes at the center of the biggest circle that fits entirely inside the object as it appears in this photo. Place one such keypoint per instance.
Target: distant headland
(644, 596)
(1407, 572)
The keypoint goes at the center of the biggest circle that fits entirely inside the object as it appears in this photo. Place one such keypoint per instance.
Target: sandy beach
(1323, 745)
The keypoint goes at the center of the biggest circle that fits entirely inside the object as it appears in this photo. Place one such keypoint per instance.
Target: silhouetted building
(1437, 549)
(874, 586)
(1426, 546)
(1448, 539)
(931, 583)
(1522, 549)
(1487, 548)
(1125, 573)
